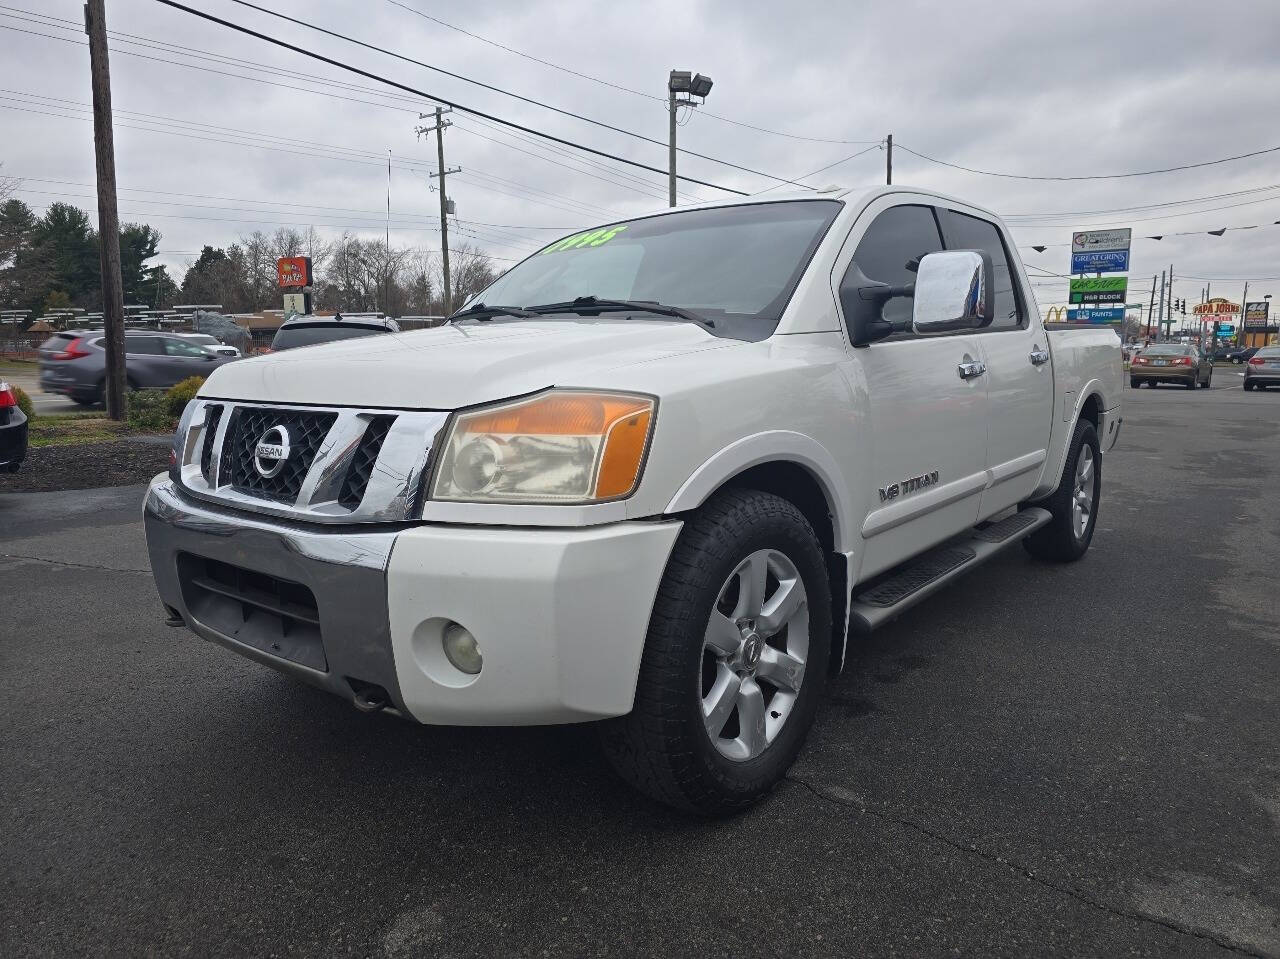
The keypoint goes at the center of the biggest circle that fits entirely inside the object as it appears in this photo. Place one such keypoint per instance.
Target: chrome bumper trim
(345, 570)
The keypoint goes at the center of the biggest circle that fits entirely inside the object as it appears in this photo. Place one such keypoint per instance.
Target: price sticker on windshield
(580, 241)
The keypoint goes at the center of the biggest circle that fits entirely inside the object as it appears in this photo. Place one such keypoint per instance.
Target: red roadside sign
(293, 272)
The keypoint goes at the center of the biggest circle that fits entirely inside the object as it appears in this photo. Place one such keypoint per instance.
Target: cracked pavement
(1041, 760)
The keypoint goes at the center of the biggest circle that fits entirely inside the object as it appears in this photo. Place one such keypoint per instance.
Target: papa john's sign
(1217, 305)
(293, 272)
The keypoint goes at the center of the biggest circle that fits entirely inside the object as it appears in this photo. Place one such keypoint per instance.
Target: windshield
(1167, 349)
(1268, 352)
(289, 337)
(737, 266)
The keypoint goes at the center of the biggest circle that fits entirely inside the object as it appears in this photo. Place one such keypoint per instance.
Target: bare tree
(8, 185)
(471, 272)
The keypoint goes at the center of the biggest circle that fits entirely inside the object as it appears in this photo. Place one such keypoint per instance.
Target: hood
(454, 366)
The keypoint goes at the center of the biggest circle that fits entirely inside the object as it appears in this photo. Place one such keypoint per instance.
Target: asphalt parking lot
(1042, 760)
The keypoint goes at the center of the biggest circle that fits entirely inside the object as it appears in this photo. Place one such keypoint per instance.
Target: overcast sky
(1046, 89)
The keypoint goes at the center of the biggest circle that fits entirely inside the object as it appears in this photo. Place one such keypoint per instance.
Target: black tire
(1248, 386)
(1193, 383)
(1133, 383)
(85, 400)
(1058, 540)
(662, 747)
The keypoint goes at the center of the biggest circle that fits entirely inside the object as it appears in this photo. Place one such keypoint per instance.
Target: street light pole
(671, 146)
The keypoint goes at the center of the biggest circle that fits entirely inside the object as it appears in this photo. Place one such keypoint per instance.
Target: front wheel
(735, 661)
(1074, 504)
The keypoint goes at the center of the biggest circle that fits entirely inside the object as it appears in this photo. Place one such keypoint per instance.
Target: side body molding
(768, 447)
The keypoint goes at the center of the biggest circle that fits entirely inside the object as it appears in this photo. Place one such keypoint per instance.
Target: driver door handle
(971, 369)
(1039, 357)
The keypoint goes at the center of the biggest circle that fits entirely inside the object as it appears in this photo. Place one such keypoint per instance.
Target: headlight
(561, 447)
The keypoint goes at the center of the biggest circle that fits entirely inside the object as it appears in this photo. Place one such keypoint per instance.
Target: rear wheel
(1193, 382)
(735, 660)
(1247, 385)
(1074, 504)
(1133, 383)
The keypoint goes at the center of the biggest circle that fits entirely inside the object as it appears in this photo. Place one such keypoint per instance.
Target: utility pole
(1160, 322)
(888, 161)
(1151, 307)
(1244, 305)
(95, 25)
(441, 123)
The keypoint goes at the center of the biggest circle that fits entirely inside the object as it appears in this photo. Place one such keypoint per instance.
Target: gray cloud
(1019, 87)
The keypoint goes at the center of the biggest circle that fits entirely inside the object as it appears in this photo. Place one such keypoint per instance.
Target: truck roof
(864, 193)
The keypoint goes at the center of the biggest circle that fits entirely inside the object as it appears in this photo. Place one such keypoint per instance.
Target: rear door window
(143, 346)
(964, 232)
(176, 347)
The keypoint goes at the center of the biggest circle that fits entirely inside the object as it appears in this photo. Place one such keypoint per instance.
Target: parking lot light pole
(690, 85)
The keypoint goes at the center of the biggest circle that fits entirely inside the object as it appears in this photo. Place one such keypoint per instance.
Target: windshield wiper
(588, 305)
(482, 312)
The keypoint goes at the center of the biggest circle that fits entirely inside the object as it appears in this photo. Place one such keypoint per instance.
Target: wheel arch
(798, 469)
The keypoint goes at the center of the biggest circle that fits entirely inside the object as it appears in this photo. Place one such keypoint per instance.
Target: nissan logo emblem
(272, 452)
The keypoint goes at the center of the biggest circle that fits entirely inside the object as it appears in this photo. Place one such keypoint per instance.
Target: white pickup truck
(655, 475)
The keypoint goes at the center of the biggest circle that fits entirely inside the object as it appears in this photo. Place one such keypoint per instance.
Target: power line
(580, 208)
(408, 89)
(616, 86)
(465, 79)
(823, 169)
(1097, 176)
(1143, 206)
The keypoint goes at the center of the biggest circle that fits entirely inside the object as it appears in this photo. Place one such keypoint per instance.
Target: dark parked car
(1242, 356)
(309, 330)
(1171, 363)
(13, 431)
(1263, 369)
(74, 363)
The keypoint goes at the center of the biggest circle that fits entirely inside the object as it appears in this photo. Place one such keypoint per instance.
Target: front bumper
(560, 615)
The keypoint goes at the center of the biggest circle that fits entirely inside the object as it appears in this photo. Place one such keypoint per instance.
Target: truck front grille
(345, 464)
(307, 430)
(214, 417)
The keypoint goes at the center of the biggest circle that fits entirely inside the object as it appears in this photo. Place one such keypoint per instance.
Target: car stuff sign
(1099, 289)
(1106, 314)
(293, 272)
(1100, 251)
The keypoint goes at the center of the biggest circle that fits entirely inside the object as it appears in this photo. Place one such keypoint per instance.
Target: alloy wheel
(754, 654)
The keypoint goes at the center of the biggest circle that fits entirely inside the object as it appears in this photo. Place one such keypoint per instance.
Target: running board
(930, 571)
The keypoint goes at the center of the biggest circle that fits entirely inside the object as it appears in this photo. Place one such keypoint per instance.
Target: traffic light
(1184, 306)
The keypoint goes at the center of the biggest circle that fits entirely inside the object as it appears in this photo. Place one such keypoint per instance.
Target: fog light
(461, 649)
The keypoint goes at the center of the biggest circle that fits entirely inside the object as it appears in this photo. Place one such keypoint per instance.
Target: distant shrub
(24, 401)
(148, 412)
(182, 393)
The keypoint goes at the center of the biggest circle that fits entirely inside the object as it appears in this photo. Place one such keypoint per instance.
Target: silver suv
(74, 363)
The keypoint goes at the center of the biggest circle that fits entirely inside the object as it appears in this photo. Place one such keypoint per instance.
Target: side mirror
(862, 299)
(953, 291)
